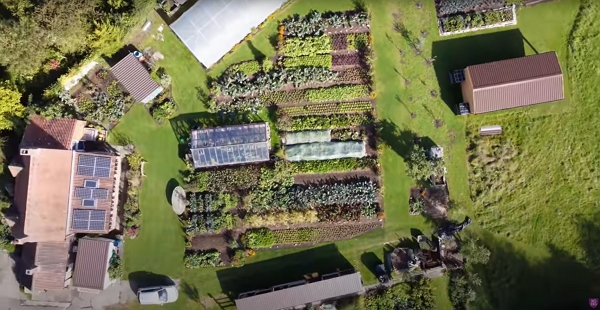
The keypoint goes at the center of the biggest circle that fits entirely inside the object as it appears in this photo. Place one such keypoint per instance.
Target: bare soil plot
(333, 177)
(436, 200)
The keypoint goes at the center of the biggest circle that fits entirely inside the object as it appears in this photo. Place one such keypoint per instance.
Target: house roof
(516, 82)
(91, 264)
(134, 77)
(49, 263)
(51, 133)
(514, 70)
(46, 197)
(303, 294)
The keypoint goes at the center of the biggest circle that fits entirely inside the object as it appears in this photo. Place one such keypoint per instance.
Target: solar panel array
(91, 193)
(230, 145)
(93, 166)
(90, 220)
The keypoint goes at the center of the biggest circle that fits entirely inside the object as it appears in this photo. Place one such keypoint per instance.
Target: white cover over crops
(309, 136)
(325, 150)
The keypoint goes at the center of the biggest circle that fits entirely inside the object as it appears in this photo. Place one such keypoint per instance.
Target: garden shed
(300, 293)
(512, 83)
(136, 79)
(210, 28)
(230, 145)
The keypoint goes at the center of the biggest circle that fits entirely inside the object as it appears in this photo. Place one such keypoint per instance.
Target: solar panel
(91, 220)
(91, 193)
(94, 166)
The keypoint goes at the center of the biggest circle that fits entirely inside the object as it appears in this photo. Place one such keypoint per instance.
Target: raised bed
(312, 235)
(347, 59)
(339, 41)
(469, 22)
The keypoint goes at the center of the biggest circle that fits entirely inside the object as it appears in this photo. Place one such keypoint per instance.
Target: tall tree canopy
(10, 106)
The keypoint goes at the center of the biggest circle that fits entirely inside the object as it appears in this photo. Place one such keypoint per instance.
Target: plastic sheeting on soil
(325, 150)
(309, 136)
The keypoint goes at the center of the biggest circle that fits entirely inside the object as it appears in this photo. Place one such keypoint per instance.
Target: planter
(468, 28)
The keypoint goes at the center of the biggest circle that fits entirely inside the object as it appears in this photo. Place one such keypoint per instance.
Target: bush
(293, 47)
(115, 270)
(201, 259)
(163, 111)
(135, 160)
(238, 258)
(246, 67)
(308, 61)
(258, 238)
(340, 92)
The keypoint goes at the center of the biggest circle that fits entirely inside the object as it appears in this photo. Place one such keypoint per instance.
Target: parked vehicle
(157, 295)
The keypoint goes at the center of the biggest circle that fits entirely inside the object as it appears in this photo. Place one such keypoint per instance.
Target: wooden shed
(513, 83)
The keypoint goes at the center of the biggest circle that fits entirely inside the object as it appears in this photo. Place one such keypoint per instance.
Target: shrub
(210, 258)
(115, 270)
(293, 47)
(258, 238)
(246, 67)
(308, 61)
(163, 111)
(340, 92)
(238, 258)
(135, 160)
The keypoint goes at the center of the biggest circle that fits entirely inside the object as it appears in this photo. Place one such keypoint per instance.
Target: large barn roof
(230, 145)
(516, 82)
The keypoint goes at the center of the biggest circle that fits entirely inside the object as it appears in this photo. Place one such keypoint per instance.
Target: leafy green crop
(258, 238)
(324, 122)
(357, 41)
(329, 108)
(294, 47)
(340, 92)
(323, 60)
(246, 67)
(194, 260)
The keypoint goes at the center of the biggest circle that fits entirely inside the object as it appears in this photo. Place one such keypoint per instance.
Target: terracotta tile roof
(91, 264)
(50, 134)
(303, 294)
(516, 82)
(134, 77)
(45, 201)
(49, 264)
(515, 70)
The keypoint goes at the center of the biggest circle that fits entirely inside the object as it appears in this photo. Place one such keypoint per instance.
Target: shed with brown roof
(91, 263)
(316, 292)
(134, 77)
(46, 263)
(512, 83)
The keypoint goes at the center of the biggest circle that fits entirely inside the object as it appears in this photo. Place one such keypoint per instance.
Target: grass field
(527, 204)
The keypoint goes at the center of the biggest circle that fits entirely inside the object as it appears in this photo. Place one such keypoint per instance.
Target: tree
(421, 295)
(10, 106)
(107, 37)
(23, 46)
(418, 166)
(17, 8)
(66, 22)
(474, 252)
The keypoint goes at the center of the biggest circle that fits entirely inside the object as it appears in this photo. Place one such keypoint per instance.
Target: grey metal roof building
(513, 83)
(134, 77)
(91, 264)
(287, 298)
(230, 145)
(210, 28)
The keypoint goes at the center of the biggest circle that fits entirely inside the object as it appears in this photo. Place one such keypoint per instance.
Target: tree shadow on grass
(171, 185)
(511, 280)
(287, 268)
(258, 55)
(399, 140)
(371, 261)
(454, 54)
(191, 291)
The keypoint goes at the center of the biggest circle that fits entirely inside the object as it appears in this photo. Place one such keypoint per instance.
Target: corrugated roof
(303, 294)
(516, 82)
(515, 70)
(91, 264)
(51, 262)
(50, 133)
(132, 74)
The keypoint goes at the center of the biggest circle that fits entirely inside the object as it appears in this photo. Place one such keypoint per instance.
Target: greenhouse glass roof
(230, 145)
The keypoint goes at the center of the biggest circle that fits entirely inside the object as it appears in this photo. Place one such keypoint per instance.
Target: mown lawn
(404, 84)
